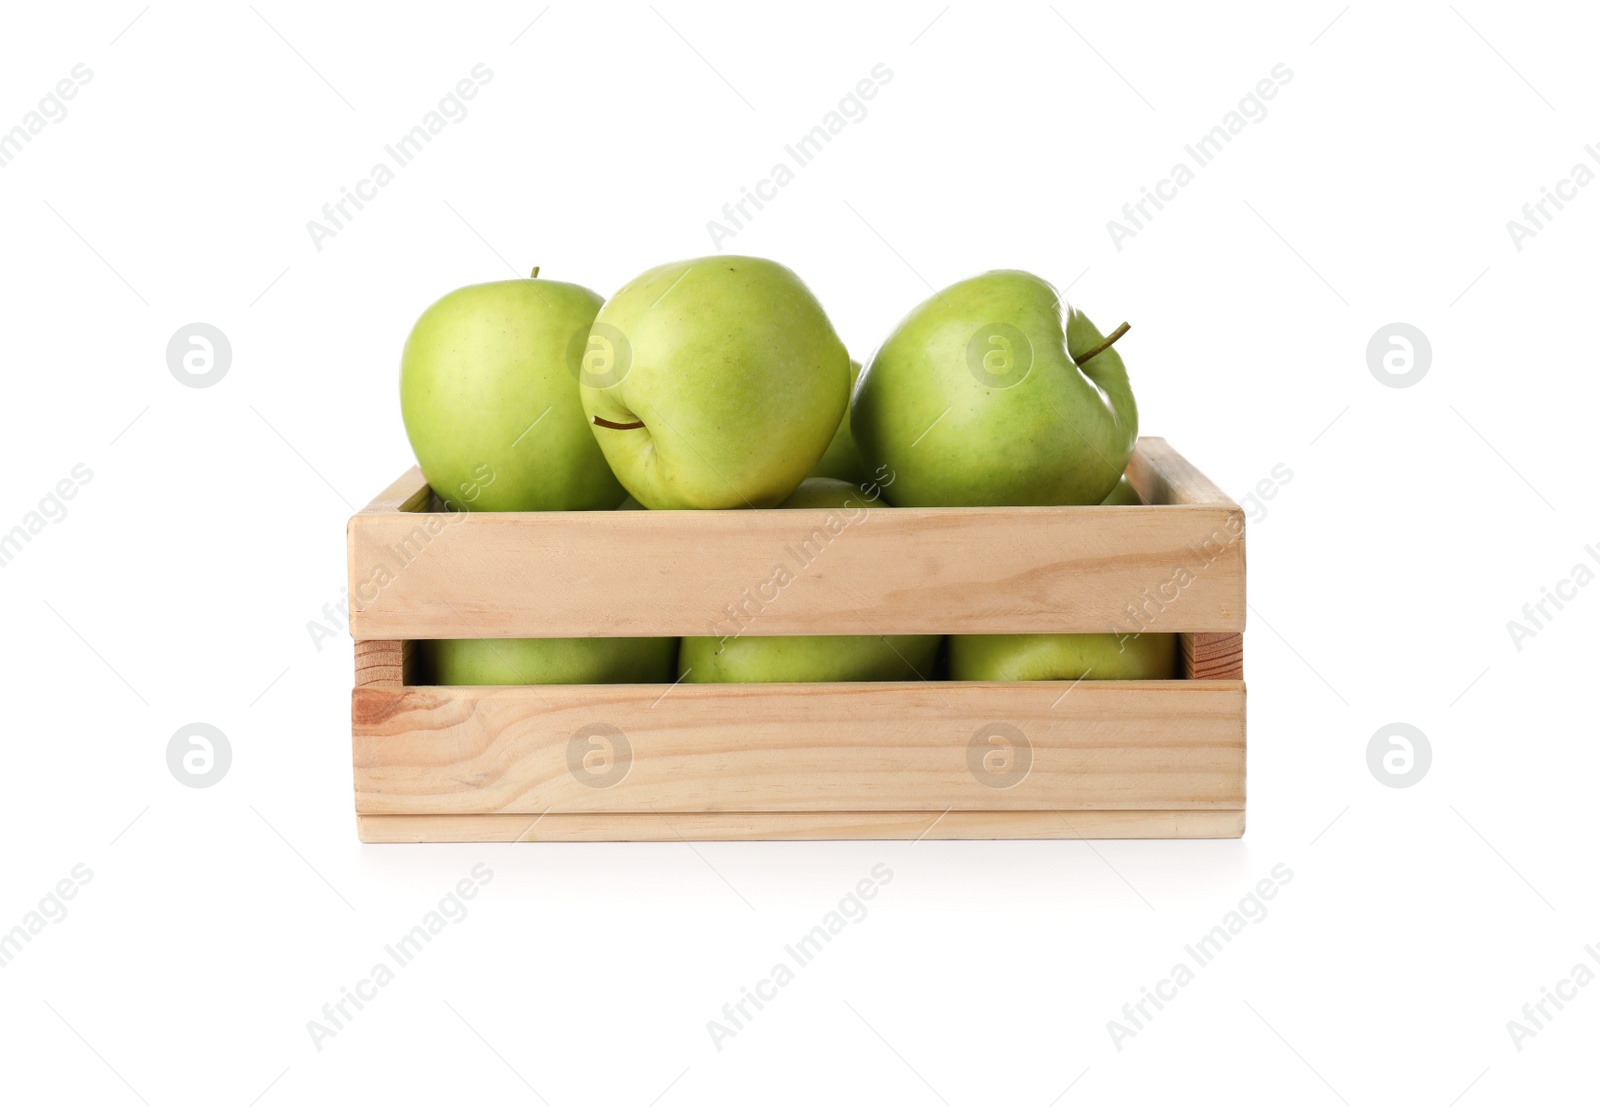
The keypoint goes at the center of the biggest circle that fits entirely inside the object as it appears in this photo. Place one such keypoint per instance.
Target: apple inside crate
(930, 758)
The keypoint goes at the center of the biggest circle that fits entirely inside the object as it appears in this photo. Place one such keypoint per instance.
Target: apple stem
(1117, 334)
(603, 423)
(535, 273)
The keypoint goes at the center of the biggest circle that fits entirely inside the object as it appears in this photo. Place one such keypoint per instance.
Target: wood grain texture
(1150, 745)
(1027, 569)
(1213, 656)
(1164, 478)
(1162, 759)
(383, 663)
(800, 826)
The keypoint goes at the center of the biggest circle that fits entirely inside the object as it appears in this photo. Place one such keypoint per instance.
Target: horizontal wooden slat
(800, 826)
(755, 573)
(1029, 569)
(1153, 745)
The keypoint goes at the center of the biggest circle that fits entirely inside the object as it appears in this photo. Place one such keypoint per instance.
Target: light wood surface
(382, 663)
(799, 826)
(1164, 478)
(1032, 569)
(1213, 656)
(1159, 759)
(1152, 745)
(409, 493)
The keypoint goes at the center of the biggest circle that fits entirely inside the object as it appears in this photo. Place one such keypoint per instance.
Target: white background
(1418, 522)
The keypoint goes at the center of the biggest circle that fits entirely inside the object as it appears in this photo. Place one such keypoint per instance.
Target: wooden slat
(409, 493)
(800, 826)
(1152, 745)
(1031, 569)
(1213, 656)
(382, 663)
(755, 573)
(1164, 478)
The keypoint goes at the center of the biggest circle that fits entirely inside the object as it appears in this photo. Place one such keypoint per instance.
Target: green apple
(740, 659)
(714, 383)
(841, 460)
(1064, 656)
(1122, 494)
(489, 395)
(992, 393)
(550, 660)
(806, 659)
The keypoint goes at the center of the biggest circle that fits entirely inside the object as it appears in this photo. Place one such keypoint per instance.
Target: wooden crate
(1148, 759)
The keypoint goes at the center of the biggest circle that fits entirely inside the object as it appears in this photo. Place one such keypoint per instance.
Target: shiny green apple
(1064, 656)
(992, 393)
(489, 395)
(739, 659)
(714, 383)
(841, 460)
(531, 660)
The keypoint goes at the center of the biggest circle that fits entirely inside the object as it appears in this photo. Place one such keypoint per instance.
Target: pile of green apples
(719, 384)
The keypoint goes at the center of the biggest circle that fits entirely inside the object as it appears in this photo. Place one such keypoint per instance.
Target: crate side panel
(777, 572)
(931, 746)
